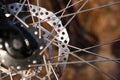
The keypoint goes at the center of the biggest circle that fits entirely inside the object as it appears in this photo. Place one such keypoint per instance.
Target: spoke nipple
(7, 15)
(41, 47)
(18, 67)
(29, 65)
(35, 32)
(34, 62)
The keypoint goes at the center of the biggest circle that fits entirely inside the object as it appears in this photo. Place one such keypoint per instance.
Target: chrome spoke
(67, 7)
(90, 9)
(78, 62)
(85, 50)
(16, 15)
(30, 12)
(94, 67)
(73, 16)
(53, 71)
(53, 45)
(46, 67)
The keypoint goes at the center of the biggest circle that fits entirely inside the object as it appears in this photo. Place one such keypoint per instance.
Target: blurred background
(87, 29)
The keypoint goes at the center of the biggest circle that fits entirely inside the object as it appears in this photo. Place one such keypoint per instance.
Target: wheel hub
(21, 51)
(26, 45)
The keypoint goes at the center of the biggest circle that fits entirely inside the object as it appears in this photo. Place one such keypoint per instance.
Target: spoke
(78, 62)
(94, 67)
(62, 10)
(47, 46)
(46, 67)
(86, 10)
(49, 66)
(11, 78)
(106, 5)
(105, 43)
(22, 75)
(28, 72)
(40, 33)
(31, 12)
(38, 77)
(62, 15)
(64, 27)
(79, 50)
(73, 16)
(4, 70)
(65, 8)
(53, 71)
(82, 11)
(19, 9)
(32, 75)
(69, 6)
(85, 50)
(22, 22)
(4, 76)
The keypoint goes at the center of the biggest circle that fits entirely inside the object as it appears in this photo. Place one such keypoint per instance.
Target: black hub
(21, 46)
(17, 48)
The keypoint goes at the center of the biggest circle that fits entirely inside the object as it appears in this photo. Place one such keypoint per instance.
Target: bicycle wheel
(42, 42)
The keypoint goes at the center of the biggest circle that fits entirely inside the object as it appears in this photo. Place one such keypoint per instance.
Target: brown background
(88, 29)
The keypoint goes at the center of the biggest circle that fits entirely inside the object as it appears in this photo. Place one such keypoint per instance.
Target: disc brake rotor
(42, 35)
